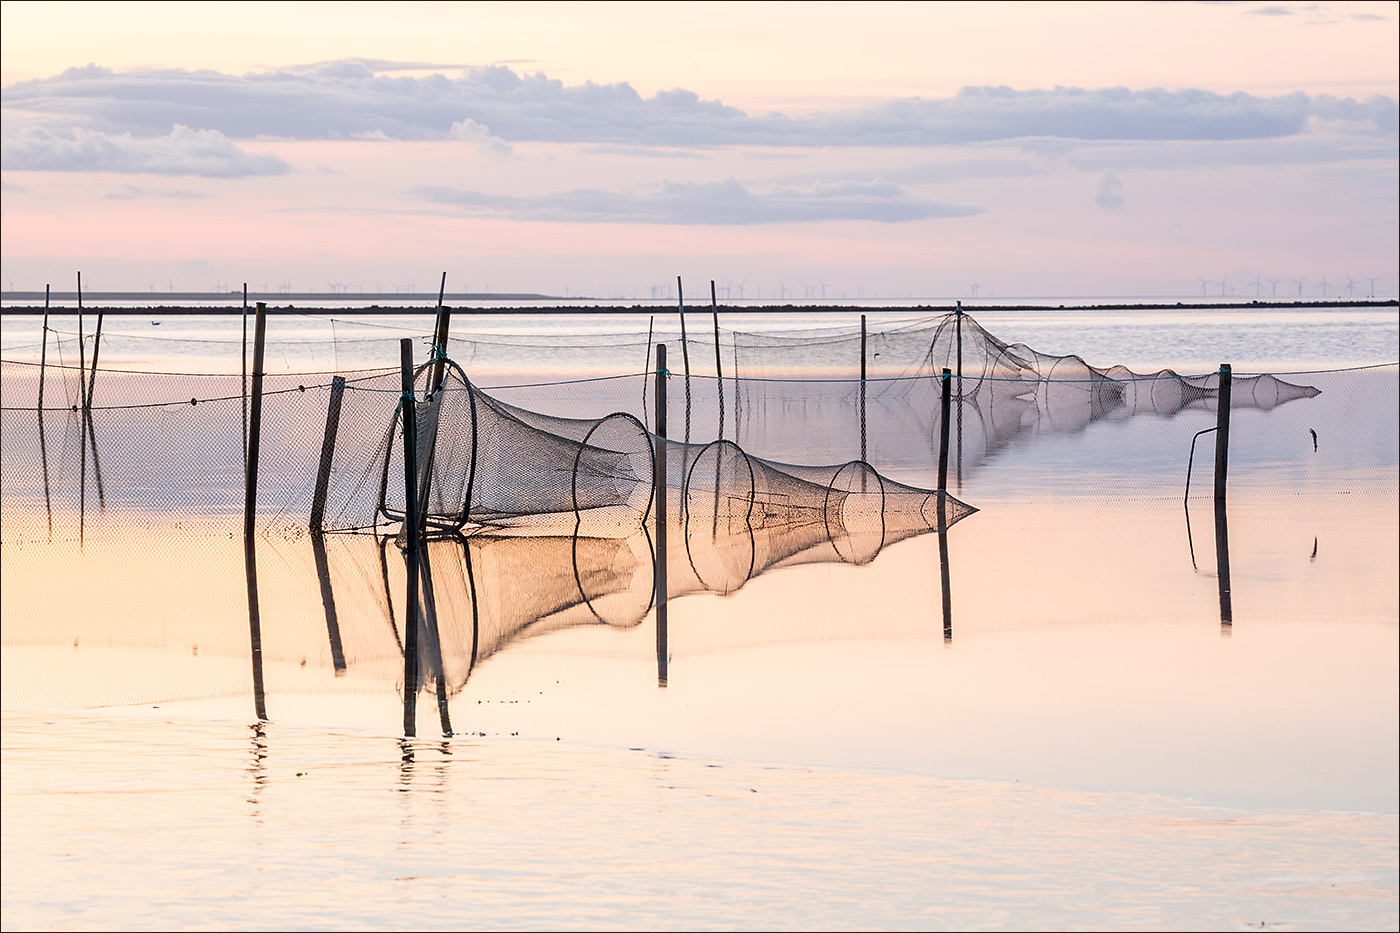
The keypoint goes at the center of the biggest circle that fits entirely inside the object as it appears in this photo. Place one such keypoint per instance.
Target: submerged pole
(945, 412)
(412, 537)
(944, 579)
(1222, 467)
(250, 508)
(659, 495)
(323, 574)
(44, 349)
(323, 470)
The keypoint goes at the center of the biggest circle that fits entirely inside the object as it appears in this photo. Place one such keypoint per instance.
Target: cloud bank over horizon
(349, 99)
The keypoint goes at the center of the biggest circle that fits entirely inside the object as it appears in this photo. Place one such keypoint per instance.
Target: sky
(785, 151)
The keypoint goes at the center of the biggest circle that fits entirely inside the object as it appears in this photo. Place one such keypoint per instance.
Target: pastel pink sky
(1031, 149)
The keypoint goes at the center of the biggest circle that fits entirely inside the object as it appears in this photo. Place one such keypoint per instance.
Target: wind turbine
(1372, 280)
(1224, 285)
(1351, 286)
(1204, 284)
(1299, 283)
(972, 288)
(1324, 286)
(1273, 286)
(1258, 285)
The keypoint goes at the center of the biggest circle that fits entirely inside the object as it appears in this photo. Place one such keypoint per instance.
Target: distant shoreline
(535, 309)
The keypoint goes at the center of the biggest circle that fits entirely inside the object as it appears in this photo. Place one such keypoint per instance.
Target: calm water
(1085, 744)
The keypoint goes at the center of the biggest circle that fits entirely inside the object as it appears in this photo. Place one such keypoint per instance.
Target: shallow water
(1081, 742)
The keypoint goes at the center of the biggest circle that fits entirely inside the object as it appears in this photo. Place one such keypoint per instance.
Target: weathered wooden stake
(862, 391)
(323, 470)
(412, 533)
(444, 317)
(659, 498)
(945, 416)
(946, 583)
(1222, 468)
(719, 369)
(96, 348)
(244, 353)
(250, 511)
(82, 350)
(44, 348)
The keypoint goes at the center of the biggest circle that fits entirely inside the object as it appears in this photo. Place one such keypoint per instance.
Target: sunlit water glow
(1086, 745)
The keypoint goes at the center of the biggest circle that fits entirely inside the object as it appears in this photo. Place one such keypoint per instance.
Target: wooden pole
(82, 350)
(412, 537)
(719, 369)
(945, 413)
(250, 509)
(659, 496)
(944, 577)
(96, 348)
(430, 629)
(444, 316)
(323, 470)
(1222, 467)
(957, 329)
(862, 390)
(44, 348)
(244, 348)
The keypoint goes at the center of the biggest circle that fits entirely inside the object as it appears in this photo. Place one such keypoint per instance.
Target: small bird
(1314, 434)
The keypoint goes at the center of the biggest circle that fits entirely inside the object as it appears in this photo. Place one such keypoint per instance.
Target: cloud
(182, 151)
(1110, 196)
(1187, 156)
(469, 131)
(1271, 11)
(129, 192)
(348, 99)
(726, 203)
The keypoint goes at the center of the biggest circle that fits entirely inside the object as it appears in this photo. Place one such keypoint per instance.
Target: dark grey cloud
(727, 202)
(349, 98)
(182, 151)
(1110, 196)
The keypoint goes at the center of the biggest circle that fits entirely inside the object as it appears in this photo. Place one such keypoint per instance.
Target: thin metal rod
(323, 471)
(659, 475)
(1191, 460)
(250, 508)
(412, 537)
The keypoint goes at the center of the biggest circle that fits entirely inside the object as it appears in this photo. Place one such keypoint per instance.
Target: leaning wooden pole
(444, 317)
(82, 350)
(250, 510)
(44, 348)
(719, 367)
(323, 470)
(659, 497)
(96, 348)
(412, 533)
(244, 354)
(1222, 469)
